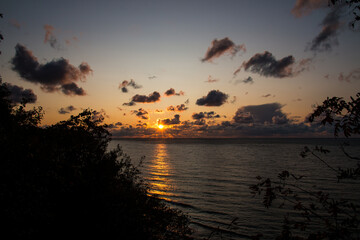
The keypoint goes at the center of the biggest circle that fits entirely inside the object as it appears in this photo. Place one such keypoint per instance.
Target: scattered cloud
(267, 95)
(207, 115)
(141, 113)
(266, 65)
(270, 113)
(167, 121)
(152, 77)
(15, 24)
(56, 75)
(125, 84)
(353, 75)
(305, 7)
(178, 108)
(159, 111)
(233, 100)
(50, 37)
(248, 80)
(220, 47)
(20, 95)
(211, 79)
(213, 98)
(171, 92)
(327, 37)
(114, 125)
(187, 101)
(67, 109)
(151, 98)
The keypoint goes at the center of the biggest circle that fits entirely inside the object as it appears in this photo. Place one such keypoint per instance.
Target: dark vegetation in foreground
(60, 182)
(315, 214)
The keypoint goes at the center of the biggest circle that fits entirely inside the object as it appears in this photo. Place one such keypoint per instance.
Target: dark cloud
(266, 65)
(207, 115)
(220, 47)
(125, 84)
(158, 111)
(50, 37)
(246, 80)
(353, 75)
(173, 121)
(214, 98)
(270, 113)
(141, 113)
(20, 95)
(114, 125)
(153, 97)
(171, 92)
(67, 109)
(131, 103)
(327, 37)
(72, 89)
(267, 95)
(211, 80)
(305, 7)
(178, 108)
(52, 76)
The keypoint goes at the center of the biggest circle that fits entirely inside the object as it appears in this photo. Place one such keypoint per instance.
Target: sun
(160, 126)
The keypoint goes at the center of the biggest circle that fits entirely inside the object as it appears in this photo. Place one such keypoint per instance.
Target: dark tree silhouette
(324, 217)
(60, 182)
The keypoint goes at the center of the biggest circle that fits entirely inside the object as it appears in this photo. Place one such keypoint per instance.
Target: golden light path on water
(159, 171)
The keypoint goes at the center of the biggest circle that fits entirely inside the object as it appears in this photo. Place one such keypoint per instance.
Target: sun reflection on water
(159, 172)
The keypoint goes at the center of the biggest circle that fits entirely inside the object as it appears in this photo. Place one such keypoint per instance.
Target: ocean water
(209, 179)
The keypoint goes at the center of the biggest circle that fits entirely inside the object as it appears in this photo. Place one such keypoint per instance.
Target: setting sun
(160, 126)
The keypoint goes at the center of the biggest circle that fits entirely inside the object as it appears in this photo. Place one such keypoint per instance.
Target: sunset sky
(200, 68)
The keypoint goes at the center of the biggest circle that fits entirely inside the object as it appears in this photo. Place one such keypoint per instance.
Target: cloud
(20, 95)
(267, 95)
(187, 101)
(153, 97)
(305, 7)
(248, 80)
(353, 75)
(171, 92)
(125, 84)
(178, 108)
(15, 24)
(220, 47)
(53, 76)
(266, 65)
(131, 103)
(152, 77)
(270, 113)
(159, 111)
(114, 125)
(233, 100)
(141, 113)
(211, 80)
(173, 121)
(207, 115)
(214, 98)
(327, 37)
(50, 37)
(67, 109)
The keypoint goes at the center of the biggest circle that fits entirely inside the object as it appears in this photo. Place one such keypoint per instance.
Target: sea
(209, 179)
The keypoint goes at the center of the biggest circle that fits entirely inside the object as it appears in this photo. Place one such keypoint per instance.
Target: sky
(198, 68)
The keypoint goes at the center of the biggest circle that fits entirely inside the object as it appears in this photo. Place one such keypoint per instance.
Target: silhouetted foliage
(61, 182)
(323, 217)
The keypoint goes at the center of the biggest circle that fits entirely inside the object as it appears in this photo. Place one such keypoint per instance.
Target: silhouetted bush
(61, 182)
(320, 216)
